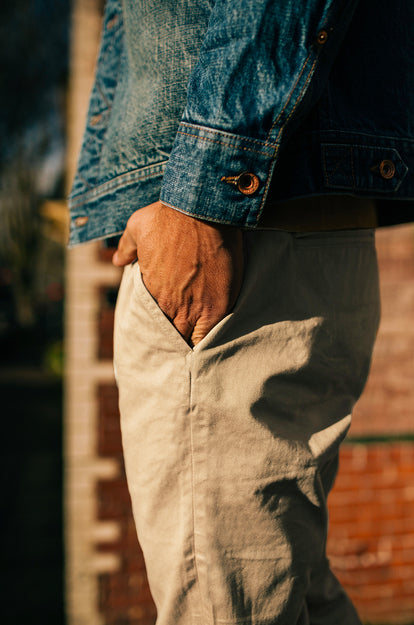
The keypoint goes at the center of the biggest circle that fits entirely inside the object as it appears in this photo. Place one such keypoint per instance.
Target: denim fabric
(313, 96)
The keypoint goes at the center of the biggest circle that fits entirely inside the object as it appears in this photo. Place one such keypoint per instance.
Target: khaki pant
(232, 447)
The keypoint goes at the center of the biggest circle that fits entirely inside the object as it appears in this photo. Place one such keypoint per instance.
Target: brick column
(85, 274)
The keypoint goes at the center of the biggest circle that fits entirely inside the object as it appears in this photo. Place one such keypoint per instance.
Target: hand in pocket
(192, 268)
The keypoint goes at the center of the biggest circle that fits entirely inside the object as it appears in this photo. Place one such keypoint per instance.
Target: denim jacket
(204, 103)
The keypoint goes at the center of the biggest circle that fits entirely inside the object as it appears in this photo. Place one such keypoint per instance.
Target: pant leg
(231, 447)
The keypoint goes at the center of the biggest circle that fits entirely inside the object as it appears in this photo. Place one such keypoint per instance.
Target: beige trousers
(232, 447)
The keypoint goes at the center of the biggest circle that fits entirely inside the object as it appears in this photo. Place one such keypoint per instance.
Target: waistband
(317, 213)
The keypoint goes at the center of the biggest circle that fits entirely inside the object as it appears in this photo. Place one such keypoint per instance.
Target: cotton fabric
(231, 447)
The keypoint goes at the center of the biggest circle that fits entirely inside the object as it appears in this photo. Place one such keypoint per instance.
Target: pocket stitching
(152, 307)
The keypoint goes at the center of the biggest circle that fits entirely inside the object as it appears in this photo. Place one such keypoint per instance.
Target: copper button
(322, 37)
(81, 221)
(387, 169)
(95, 119)
(112, 22)
(247, 183)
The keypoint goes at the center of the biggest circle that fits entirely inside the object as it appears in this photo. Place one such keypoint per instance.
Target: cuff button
(247, 183)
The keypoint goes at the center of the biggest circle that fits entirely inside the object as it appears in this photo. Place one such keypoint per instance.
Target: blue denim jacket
(204, 103)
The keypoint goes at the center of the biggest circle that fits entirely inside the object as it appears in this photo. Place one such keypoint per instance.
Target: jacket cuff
(218, 176)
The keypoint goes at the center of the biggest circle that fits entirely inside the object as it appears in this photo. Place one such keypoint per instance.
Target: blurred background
(68, 544)
(34, 63)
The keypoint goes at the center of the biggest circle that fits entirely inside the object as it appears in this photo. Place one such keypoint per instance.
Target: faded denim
(314, 94)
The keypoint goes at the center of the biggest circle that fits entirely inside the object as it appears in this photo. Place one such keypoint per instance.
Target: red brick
(113, 499)
(105, 322)
(109, 431)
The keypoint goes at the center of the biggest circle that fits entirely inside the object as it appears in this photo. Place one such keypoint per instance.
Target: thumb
(126, 252)
(202, 328)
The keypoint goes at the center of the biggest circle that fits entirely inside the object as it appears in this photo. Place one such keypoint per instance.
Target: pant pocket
(162, 328)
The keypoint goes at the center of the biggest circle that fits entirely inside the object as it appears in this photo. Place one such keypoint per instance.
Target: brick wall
(371, 543)
(372, 506)
(387, 406)
(86, 275)
(124, 596)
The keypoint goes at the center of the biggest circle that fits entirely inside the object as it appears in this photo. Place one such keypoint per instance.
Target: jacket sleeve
(262, 66)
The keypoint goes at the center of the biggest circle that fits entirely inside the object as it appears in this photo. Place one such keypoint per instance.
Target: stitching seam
(227, 145)
(108, 187)
(291, 94)
(224, 134)
(266, 189)
(210, 217)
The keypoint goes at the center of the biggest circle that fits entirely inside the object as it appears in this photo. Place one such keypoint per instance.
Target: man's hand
(194, 269)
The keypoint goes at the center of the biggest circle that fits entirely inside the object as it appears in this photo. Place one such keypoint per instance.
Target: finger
(202, 328)
(184, 326)
(126, 252)
(193, 332)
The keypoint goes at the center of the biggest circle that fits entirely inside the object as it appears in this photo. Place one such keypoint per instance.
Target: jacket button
(387, 169)
(322, 37)
(247, 183)
(112, 22)
(81, 221)
(95, 119)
